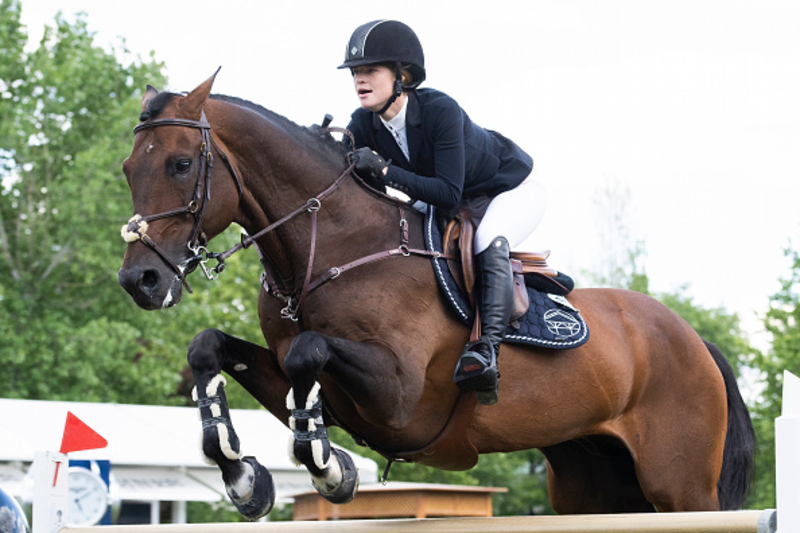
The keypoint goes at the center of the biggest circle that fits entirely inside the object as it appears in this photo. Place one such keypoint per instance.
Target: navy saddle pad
(550, 322)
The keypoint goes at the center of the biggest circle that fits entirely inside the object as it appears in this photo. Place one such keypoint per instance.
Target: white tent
(154, 451)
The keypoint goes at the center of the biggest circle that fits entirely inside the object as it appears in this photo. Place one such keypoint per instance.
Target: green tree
(66, 113)
(782, 321)
(67, 330)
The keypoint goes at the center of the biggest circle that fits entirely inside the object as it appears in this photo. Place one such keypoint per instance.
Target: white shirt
(397, 127)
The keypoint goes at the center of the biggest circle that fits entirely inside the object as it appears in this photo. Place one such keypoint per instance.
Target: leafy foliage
(783, 323)
(67, 330)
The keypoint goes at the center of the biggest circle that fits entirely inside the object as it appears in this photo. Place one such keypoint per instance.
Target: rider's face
(374, 85)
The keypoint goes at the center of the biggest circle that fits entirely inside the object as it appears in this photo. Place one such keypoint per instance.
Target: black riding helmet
(387, 41)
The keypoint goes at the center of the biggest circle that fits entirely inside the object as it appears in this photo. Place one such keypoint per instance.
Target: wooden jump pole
(705, 522)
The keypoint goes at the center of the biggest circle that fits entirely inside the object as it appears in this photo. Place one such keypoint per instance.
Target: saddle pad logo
(561, 323)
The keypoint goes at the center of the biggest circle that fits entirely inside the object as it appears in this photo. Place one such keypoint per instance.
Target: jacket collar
(413, 127)
(413, 117)
(413, 133)
(412, 111)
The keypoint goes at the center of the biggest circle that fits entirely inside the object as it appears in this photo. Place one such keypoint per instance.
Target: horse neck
(281, 173)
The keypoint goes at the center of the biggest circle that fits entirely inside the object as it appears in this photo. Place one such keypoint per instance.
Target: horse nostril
(149, 280)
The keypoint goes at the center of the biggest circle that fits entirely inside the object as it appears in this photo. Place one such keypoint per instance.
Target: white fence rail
(708, 522)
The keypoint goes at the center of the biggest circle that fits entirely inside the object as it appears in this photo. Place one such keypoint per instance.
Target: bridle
(136, 229)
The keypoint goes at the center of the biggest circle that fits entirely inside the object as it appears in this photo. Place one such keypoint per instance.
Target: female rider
(440, 157)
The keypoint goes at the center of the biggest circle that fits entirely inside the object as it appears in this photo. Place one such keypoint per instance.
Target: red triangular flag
(78, 436)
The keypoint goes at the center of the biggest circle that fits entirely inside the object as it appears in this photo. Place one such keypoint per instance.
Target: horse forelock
(157, 105)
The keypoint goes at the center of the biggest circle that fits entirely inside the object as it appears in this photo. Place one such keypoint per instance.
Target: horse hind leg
(332, 470)
(593, 475)
(249, 485)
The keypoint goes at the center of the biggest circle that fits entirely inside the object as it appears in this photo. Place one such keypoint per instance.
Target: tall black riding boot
(477, 368)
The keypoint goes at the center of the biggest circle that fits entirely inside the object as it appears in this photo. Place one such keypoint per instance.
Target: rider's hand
(369, 165)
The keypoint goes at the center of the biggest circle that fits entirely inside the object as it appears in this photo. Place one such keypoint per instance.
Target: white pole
(787, 460)
(179, 507)
(155, 512)
(178, 512)
(50, 491)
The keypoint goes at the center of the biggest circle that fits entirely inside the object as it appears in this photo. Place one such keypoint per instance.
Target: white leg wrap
(317, 450)
(225, 444)
(213, 385)
(292, 458)
(313, 396)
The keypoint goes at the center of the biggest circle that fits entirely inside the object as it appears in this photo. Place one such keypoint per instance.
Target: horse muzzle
(151, 287)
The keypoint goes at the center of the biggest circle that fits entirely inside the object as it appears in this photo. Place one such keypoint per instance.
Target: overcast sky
(690, 105)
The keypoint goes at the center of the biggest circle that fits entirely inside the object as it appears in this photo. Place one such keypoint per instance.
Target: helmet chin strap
(398, 88)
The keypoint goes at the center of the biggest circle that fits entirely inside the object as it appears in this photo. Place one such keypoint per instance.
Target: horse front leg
(332, 470)
(249, 485)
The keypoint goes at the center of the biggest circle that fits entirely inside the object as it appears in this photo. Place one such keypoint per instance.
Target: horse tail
(738, 455)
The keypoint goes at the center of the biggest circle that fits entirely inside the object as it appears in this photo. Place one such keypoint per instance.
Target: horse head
(172, 177)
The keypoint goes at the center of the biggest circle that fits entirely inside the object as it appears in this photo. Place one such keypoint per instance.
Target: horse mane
(323, 142)
(319, 140)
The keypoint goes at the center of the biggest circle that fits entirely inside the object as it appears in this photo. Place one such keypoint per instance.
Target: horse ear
(148, 95)
(192, 104)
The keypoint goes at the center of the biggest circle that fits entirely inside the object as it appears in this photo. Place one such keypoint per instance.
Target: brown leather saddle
(457, 244)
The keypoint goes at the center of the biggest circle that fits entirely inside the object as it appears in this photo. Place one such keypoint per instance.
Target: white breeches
(514, 214)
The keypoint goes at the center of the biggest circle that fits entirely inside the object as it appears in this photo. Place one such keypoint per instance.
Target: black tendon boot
(476, 370)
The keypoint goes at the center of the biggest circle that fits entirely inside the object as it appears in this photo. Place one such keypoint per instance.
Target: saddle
(530, 268)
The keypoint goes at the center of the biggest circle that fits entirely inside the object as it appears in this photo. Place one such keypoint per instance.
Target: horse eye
(182, 166)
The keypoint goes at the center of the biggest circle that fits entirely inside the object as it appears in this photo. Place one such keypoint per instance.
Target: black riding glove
(369, 165)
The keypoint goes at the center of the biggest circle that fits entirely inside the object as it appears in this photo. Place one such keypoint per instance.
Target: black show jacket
(451, 157)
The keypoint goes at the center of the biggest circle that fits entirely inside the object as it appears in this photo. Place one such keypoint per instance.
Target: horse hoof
(346, 489)
(262, 496)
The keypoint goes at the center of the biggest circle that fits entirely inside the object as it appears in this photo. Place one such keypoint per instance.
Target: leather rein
(136, 229)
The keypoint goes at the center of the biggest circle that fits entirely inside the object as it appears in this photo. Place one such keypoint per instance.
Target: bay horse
(646, 416)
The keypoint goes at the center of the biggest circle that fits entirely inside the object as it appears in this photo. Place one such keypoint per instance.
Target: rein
(136, 229)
